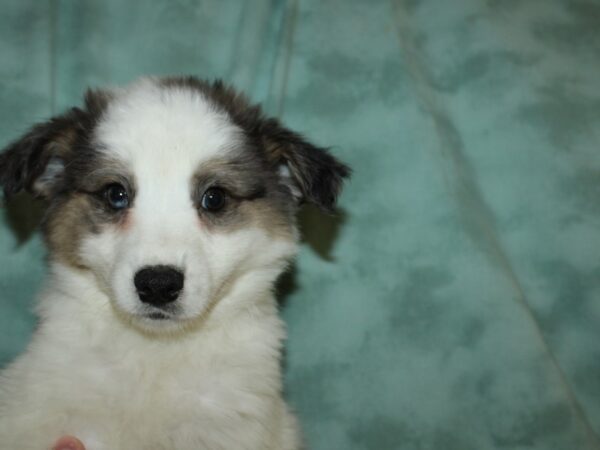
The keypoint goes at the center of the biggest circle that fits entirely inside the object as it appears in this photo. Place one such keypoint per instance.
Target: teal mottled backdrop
(453, 303)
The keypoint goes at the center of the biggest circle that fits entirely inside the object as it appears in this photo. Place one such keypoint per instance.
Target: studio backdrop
(453, 301)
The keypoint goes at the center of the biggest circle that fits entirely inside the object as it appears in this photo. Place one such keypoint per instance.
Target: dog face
(175, 193)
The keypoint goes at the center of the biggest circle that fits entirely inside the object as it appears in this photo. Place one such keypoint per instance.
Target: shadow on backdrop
(23, 214)
(319, 231)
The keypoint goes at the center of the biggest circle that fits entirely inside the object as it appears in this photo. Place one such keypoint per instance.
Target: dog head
(174, 193)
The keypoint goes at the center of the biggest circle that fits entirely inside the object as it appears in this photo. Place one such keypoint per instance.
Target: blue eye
(116, 196)
(213, 199)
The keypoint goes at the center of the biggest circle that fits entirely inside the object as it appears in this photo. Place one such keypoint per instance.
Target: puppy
(171, 213)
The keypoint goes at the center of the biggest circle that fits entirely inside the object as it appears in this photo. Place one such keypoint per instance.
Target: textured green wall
(454, 301)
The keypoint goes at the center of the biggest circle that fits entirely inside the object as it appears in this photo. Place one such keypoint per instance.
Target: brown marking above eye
(218, 186)
(235, 181)
(253, 196)
(98, 179)
(96, 175)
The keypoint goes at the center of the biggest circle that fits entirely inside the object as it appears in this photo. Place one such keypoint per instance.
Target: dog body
(171, 213)
(87, 375)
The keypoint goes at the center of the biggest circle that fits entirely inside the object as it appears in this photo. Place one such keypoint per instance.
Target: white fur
(210, 379)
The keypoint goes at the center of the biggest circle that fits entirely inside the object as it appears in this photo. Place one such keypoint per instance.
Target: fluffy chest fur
(95, 378)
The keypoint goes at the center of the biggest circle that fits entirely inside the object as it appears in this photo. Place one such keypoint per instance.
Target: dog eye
(213, 199)
(116, 196)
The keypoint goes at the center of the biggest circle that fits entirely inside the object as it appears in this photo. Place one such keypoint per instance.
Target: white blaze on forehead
(167, 128)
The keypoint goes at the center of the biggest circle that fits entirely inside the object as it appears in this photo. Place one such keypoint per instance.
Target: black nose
(158, 285)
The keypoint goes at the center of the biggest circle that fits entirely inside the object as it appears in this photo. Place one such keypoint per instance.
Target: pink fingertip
(68, 443)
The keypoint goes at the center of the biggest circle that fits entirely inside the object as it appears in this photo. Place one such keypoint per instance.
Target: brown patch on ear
(314, 173)
(35, 161)
(56, 153)
(24, 162)
(63, 142)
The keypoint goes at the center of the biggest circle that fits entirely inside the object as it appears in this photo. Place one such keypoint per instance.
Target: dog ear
(36, 161)
(312, 174)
